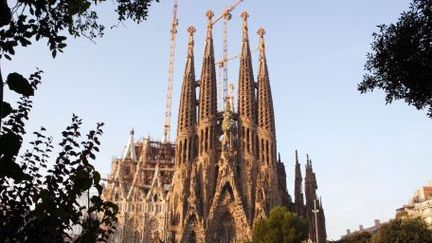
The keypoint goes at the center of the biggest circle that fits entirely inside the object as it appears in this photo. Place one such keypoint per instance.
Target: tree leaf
(19, 84)
(6, 109)
(10, 144)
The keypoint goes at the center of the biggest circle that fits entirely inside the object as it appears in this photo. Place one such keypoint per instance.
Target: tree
(280, 226)
(356, 237)
(40, 204)
(401, 59)
(407, 230)
(37, 203)
(34, 20)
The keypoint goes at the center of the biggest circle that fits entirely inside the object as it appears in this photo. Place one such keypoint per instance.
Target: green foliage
(37, 203)
(356, 237)
(401, 59)
(41, 204)
(29, 19)
(404, 231)
(281, 226)
(19, 84)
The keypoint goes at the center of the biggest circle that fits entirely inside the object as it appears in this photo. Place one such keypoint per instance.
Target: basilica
(223, 173)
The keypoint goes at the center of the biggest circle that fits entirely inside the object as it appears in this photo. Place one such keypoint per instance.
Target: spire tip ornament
(244, 15)
(261, 32)
(191, 29)
(210, 15)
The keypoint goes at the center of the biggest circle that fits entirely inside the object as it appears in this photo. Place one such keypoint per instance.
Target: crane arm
(227, 11)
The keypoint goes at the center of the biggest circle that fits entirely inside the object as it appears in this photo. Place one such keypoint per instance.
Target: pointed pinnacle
(244, 16)
(191, 31)
(261, 32)
(132, 132)
(209, 15)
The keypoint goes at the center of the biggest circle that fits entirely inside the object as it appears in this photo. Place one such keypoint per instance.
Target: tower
(298, 190)
(268, 193)
(222, 174)
(247, 120)
(312, 202)
(206, 129)
(185, 143)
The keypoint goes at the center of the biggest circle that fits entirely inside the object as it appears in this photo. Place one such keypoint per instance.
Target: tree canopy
(281, 226)
(38, 202)
(400, 62)
(356, 237)
(404, 230)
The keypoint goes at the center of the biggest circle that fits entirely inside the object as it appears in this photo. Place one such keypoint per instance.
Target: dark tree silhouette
(38, 203)
(401, 59)
(41, 203)
(281, 226)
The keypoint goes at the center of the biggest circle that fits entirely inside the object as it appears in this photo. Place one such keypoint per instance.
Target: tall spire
(187, 109)
(265, 101)
(246, 86)
(208, 91)
(311, 197)
(247, 121)
(130, 148)
(206, 129)
(299, 200)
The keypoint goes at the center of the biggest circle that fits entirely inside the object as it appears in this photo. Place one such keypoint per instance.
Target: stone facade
(420, 206)
(139, 183)
(222, 174)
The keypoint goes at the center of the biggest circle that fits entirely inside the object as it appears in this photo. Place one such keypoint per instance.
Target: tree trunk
(1, 99)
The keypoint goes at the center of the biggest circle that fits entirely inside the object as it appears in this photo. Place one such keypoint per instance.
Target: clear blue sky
(368, 157)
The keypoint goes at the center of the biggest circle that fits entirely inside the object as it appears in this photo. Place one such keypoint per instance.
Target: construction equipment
(226, 15)
(222, 69)
(167, 124)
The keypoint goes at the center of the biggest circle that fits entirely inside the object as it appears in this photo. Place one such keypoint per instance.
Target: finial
(245, 16)
(209, 15)
(191, 31)
(132, 132)
(261, 32)
(296, 156)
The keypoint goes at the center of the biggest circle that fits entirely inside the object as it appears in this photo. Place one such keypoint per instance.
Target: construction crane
(167, 124)
(222, 69)
(226, 16)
